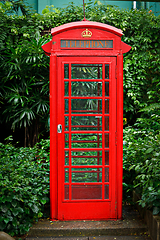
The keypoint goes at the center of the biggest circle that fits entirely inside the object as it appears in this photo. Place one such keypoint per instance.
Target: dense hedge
(24, 107)
(24, 186)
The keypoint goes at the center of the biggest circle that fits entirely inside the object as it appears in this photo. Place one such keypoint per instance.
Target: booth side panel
(119, 132)
(53, 138)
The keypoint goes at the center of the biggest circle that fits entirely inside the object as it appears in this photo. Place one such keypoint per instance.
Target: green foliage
(24, 65)
(24, 186)
(142, 160)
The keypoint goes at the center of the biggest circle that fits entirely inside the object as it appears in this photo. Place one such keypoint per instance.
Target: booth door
(86, 138)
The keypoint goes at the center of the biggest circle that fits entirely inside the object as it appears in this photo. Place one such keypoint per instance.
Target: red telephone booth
(86, 121)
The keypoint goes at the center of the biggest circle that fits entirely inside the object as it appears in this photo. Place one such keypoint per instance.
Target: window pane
(66, 110)
(86, 140)
(66, 140)
(107, 140)
(66, 158)
(106, 174)
(106, 194)
(86, 192)
(86, 158)
(106, 71)
(107, 106)
(66, 124)
(107, 89)
(106, 157)
(66, 71)
(86, 88)
(93, 123)
(86, 175)
(106, 123)
(86, 71)
(66, 175)
(86, 106)
(66, 192)
(66, 88)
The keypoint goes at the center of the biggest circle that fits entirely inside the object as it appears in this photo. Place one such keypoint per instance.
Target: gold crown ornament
(86, 33)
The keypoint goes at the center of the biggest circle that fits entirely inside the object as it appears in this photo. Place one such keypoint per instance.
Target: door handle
(59, 128)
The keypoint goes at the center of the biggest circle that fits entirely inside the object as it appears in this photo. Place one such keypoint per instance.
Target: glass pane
(86, 192)
(86, 106)
(107, 106)
(106, 174)
(107, 89)
(106, 194)
(107, 140)
(66, 175)
(86, 140)
(86, 88)
(106, 71)
(106, 157)
(86, 158)
(66, 71)
(66, 192)
(66, 124)
(66, 110)
(86, 175)
(66, 158)
(66, 140)
(106, 123)
(93, 123)
(66, 88)
(86, 71)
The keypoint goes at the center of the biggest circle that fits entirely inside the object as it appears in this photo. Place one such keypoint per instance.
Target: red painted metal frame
(73, 31)
(93, 208)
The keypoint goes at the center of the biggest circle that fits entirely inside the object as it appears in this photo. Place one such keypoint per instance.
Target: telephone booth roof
(89, 24)
(86, 35)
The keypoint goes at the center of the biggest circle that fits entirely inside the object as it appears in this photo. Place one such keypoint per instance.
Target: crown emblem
(86, 33)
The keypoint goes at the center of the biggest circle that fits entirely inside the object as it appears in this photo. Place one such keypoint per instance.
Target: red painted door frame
(92, 208)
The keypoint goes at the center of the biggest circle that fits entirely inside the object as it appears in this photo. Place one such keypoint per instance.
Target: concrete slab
(95, 238)
(130, 225)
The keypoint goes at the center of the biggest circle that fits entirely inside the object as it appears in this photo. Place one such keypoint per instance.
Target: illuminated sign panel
(86, 43)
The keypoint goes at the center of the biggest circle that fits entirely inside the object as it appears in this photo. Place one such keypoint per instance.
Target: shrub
(24, 186)
(142, 162)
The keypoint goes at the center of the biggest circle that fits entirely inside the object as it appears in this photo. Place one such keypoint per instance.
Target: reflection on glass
(86, 106)
(80, 192)
(106, 194)
(86, 174)
(66, 158)
(66, 175)
(86, 71)
(106, 123)
(66, 140)
(107, 89)
(93, 123)
(107, 106)
(106, 71)
(86, 158)
(66, 71)
(106, 157)
(106, 174)
(66, 88)
(86, 89)
(86, 140)
(66, 106)
(106, 140)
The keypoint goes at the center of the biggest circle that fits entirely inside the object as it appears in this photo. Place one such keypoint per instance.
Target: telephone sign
(86, 121)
